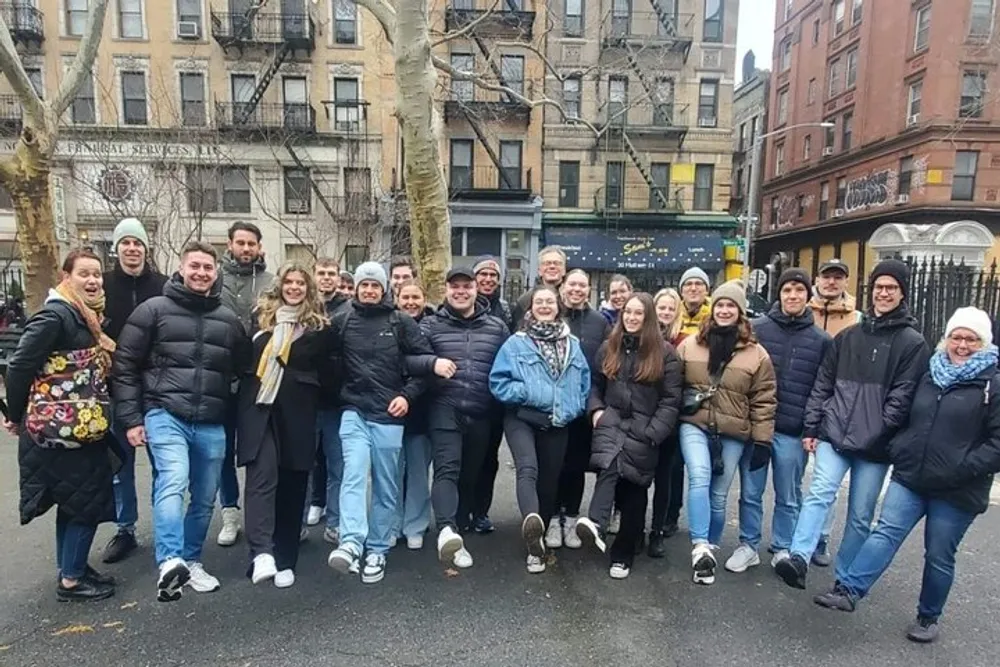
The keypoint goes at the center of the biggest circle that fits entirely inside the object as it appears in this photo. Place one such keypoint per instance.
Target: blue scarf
(945, 374)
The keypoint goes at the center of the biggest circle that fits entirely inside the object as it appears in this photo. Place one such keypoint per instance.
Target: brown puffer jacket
(746, 401)
(835, 316)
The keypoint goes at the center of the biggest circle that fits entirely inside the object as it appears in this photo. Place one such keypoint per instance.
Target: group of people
(314, 377)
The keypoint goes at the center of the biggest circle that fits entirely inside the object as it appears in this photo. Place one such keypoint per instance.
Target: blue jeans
(328, 432)
(126, 505)
(413, 516)
(73, 541)
(944, 529)
(707, 493)
(229, 484)
(188, 459)
(369, 446)
(866, 484)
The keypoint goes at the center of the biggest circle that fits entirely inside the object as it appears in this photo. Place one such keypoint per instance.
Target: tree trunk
(426, 190)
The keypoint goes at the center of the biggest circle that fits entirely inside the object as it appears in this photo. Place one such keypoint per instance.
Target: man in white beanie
(132, 281)
(694, 288)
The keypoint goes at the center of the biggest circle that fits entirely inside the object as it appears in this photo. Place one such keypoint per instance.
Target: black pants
(319, 479)
(572, 479)
(668, 485)
(538, 461)
(630, 499)
(460, 444)
(273, 501)
(491, 466)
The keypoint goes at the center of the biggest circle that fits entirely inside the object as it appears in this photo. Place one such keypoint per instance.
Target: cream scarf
(271, 368)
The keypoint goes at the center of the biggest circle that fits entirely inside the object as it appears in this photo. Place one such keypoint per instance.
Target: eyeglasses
(489, 274)
(968, 340)
(552, 262)
(886, 289)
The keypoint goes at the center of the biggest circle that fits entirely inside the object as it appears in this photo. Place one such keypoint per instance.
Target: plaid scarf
(271, 368)
(552, 341)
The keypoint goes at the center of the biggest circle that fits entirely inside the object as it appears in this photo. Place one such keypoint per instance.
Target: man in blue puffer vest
(796, 348)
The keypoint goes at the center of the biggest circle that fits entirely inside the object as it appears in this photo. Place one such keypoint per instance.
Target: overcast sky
(755, 31)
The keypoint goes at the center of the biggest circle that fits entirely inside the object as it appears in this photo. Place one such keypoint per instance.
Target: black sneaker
(821, 557)
(119, 547)
(669, 530)
(86, 590)
(793, 571)
(98, 577)
(656, 547)
(923, 630)
(836, 598)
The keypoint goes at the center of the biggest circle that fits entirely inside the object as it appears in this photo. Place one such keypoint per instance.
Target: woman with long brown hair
(634, 399)
(277, 419)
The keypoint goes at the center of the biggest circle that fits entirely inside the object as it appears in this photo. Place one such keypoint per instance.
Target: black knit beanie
(794, 275)
(895, 269)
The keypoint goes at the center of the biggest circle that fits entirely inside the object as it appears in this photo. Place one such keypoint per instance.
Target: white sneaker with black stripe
(374, 570)
(174, 574)
(703, 564)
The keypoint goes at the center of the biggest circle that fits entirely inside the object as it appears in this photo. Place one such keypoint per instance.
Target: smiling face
(487, 281)
(576, 290)
(666, 310)
(961, 344)
(633, 315)
(886, 295)
(794, 297)
(552, 268)
(545, 306)
(694, 292)
(293, 288)
(618, 293)
(198, 271)
(87, 278)
(725, 312)
(244, 246)
(831, 284)
(370, 291)
(131, 255)
(346, 287)
(411, 300)
(327, 279)
(460, 292)
(400, 275)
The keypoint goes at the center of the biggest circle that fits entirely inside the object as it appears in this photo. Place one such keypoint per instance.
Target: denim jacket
(520, 377)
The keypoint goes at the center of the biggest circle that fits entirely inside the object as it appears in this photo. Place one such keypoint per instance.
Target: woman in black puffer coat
(634, 401)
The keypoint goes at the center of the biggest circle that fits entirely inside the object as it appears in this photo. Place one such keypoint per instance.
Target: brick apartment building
(912, 162)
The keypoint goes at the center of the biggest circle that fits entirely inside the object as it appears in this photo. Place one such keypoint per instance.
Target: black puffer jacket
(501, 310)
(124, 293)
(950, 449)
(591, 328)
(472, 344)
(796, 348)
(179, 352)
(865, 386)
(638, 417)
(79, 481)
(373, 349)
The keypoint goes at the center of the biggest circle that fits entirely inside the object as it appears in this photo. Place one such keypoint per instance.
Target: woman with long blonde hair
(668, 310)
(277, 419)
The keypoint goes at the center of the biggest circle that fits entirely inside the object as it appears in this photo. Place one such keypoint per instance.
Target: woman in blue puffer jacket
(542, 378)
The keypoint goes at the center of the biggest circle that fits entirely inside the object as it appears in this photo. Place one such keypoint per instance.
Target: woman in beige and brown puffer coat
(726, 424)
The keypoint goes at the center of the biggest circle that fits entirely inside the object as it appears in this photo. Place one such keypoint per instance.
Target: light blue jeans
(369, 447)
(328, 432)
(944, 528)
(413, 516)
(188, 460)
(866, 485)
(707, 494)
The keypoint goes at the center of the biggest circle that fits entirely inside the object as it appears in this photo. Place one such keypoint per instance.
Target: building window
(482, 241)
(905, 175)
(130, 19)
(84, 108)
(193, 99)
(786, 55)
(838, 17)
(704, 174)
(981, 18)
(296, 110)
(963, 184)
(346, 19)
(460, 173)
(298, 198)
(841, 192)
(807, 147)
(742, 146)
(811, 92)
(462, 90)
(510, 162)
(134, 98)
(236, 189)
(801, 201)
(573, 19)
(824, 200)
(189, 11)
(212, 189)
(346, 101)
(856, 12)
(37, 81)
(569, 184)
(779, 160)
(621, 18)
(712, 29)
(973, 92)
(571, 96)
(815, 32)
(617, 100)
(354, 256)
(783, 107)
(829, 136)
(659, 172)
(512, 70)
(852, 68)
(847, 130)
(913, 102)
(76, 17)
(243, 86)
(738, 182)
(922, 28)
(774, 212)
(663, 109)
(614, 185)
(834, 78)
(708, 102)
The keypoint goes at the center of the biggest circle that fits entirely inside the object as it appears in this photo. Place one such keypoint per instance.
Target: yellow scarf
(91, 312)
(271, 367)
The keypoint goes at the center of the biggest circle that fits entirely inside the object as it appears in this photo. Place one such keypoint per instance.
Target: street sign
(758, 279)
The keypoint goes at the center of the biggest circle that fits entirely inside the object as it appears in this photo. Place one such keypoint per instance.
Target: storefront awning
(638, 249)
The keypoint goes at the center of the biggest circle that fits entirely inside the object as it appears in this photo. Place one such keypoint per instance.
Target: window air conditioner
(188, 29)
(708, 121)
(838, 213)
(912, 120)
(827, 151)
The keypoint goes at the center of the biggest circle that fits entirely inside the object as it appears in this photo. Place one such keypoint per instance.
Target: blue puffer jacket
(520, 377)
(796, 348)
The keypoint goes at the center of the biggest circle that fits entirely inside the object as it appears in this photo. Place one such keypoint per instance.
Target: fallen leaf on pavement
(113, 624)
(5, 647)
(73, 630)
(451, 572)
(128, 605)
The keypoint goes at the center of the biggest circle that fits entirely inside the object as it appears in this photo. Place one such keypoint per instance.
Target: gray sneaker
(821, 557)
(923, 631)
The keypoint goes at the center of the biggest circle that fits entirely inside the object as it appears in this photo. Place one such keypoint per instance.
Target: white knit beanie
(695, 273)
(974, 320)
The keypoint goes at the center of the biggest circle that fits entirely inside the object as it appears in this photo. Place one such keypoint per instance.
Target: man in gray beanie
(694, 288)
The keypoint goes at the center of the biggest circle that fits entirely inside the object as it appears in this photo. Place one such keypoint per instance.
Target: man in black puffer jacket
(465, 339)
(176, 359)
(861, 398)
(797, 348)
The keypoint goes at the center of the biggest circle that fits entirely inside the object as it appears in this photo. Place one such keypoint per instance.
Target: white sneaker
(536, 565)
(780, 556)
(449, 544)
(174, 574)
(588, 533)
(344, 559)
(743, 559)
(263, 568)
(554, 535)
(463, 559)
(415, 542)
(201, 581)
(616, 523)
(230, 527)
(331, 535)
(703, 563)
(284, 579)
(619, 571)
(314, 515)
(374, 570)
(570, 539)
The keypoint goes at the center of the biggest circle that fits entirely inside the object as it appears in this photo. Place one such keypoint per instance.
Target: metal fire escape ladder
(492, 63)
(270, 70)
(667, 21)
(633, 60)
(494, 158)
(637, 161)
(311, 170)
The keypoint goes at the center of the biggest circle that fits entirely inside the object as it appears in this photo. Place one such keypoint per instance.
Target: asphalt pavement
(493, 614)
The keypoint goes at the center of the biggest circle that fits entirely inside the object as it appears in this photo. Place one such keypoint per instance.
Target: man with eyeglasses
(861, 397)
(551, 271)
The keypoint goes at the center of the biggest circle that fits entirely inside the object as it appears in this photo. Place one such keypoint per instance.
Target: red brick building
(913, 90)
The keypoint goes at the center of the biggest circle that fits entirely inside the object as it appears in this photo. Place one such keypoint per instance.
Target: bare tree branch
(13, 69)
(83, 63)
(459, 34)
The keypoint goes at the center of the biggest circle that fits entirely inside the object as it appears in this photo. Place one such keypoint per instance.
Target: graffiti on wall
(918, 178)
(872, 190)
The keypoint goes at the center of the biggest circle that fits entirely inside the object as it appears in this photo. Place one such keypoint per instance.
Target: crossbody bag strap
(713, 388)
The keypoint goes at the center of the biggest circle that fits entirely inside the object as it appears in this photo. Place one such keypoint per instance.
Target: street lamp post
(755, 180)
